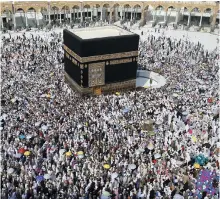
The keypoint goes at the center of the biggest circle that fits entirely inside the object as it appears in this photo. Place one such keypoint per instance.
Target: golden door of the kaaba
(96, 74)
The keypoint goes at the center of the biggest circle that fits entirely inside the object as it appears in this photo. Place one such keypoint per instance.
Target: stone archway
(172, 15)
(208, 10)
(106, 12)
(159, 14)
(6, 19)
(196, 17)
(146, 15)
(196, 9)
(127, 12)
(137, 12)
(65, 11)
(54, 13)
(45, 14)
(159, 7)
(31, 17)
(76, 13)
(97, 6)
(206, 17)
(97, 12)
(86, 13)
(115, 12)
(184, 15)
(171, 8)
(20, 20)
(6, 13)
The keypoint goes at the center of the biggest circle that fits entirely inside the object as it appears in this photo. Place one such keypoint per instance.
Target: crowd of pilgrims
(45, 124)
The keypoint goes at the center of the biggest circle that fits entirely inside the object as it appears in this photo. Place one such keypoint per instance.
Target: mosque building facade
(19, 14)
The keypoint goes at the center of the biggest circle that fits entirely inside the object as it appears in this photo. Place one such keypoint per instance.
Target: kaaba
(100, 59)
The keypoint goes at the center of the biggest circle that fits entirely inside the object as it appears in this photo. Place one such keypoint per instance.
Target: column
(49, 12)
(177, 15)
(155, 12)
(96, 13)
(67, 14)
(118, 18)
(101, 14)
(121, 13)
(116, 14)
(81, 12)
(64, 14)
(213, 21)
(110, 15)
(104, 14)
(165, 16)
(2, 22)
(70, 14)
(26, 20)
(142, 15)
(37, 20)
(13, 15)
(136, 13)
(145, 15)
(200, 22)
(92, 10)
(77, 14)
(14, 20)
(60, 16)
(74, 17)
(189, 19)
(131, 14)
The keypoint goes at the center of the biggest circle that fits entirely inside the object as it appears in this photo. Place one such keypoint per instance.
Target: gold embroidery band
(72, 53)
(74, 61)
(100, 57)
(120, 61)
(71, 58)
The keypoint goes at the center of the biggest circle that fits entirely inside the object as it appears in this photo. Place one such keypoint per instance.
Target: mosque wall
(34, 14)
(39, 6)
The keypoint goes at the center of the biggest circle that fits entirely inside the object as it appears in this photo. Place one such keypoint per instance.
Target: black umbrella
(207, 145)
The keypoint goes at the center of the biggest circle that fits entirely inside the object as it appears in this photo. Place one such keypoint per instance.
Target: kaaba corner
(101, 59)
